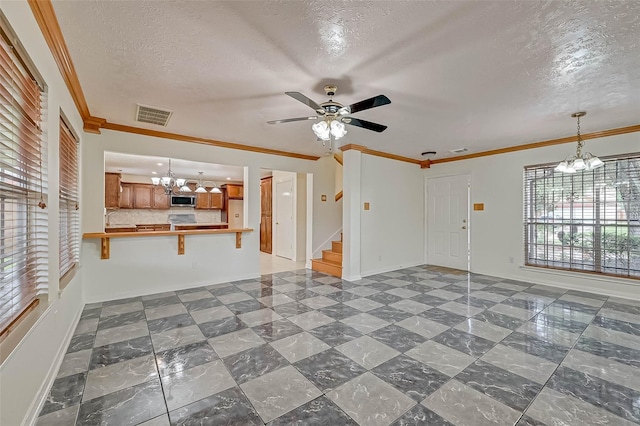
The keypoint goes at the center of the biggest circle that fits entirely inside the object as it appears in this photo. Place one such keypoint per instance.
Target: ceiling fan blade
(364, 124)
(302, 98)
(376, 101)
(288, 120)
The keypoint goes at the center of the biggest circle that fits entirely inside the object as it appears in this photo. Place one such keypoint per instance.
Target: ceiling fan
(334, 114)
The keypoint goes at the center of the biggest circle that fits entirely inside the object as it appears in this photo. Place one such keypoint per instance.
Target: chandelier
(200, 186)
(580, 161)
(169, 182)
(327, 128)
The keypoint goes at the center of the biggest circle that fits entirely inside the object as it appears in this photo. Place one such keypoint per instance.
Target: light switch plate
(366, 206)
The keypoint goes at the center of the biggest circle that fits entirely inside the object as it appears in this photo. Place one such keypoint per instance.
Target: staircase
(331, 262)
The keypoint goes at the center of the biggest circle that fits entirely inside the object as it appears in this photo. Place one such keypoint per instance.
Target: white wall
(29, 368)
(391, 232)
(327, 215)
(301, 217)
(497, 232)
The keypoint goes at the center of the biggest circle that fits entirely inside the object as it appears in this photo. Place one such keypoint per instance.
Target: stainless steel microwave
(183, 201)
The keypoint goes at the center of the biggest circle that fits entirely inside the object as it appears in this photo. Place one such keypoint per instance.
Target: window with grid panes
(586, 221)
(69, 215)
(23, 186)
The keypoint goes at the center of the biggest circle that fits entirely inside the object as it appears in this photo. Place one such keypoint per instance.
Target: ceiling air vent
(147, 114)
(458, 150)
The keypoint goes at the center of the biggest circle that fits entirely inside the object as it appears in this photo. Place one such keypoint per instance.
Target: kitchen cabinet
(160, 200)
(266, 195)
(112, 190)
(153, 227)
(209, 201)
(234, 192)
(142, 196)
(126, 196)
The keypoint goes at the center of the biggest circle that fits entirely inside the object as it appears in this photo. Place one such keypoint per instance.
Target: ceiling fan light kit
(335, 115)
(579, 162)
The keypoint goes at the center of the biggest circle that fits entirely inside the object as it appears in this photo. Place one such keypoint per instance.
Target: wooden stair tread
(328, 262)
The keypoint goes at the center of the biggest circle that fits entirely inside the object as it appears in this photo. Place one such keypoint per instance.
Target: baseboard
(390, 268)
(41, 395)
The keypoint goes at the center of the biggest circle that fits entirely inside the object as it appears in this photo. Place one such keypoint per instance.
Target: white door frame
(275, 226)
(426, 215)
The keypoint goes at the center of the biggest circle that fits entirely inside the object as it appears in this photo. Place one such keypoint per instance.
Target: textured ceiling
(481, 75)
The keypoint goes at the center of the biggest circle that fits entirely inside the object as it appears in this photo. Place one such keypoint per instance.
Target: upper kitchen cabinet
(126, 196)
(112, 190)
(234, 192)
(160, 200)
(209, 201)
(142, 196)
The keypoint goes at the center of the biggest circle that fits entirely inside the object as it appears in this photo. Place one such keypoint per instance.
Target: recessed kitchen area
(156, 194)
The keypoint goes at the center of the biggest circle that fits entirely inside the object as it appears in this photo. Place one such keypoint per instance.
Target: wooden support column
(180, 243)
(238, 240)
(104, 248)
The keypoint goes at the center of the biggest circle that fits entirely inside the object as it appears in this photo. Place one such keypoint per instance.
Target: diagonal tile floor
(417, 346)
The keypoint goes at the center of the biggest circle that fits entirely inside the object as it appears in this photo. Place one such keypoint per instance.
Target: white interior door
(448, 222)
(284, 219)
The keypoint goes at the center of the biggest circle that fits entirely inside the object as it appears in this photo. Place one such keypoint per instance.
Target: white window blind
(23, 185)
(587, 221)
(69, 217)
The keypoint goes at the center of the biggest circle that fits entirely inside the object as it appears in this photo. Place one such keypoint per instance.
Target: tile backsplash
(144, 216)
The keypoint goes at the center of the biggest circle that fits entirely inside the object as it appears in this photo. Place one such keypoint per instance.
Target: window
(23, 223)
(587, 221)
(69, 220)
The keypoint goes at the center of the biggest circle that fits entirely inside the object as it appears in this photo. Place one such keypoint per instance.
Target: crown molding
(93, 124)
(382, 154)
(212, 142)
(594, 135)
(48, 22)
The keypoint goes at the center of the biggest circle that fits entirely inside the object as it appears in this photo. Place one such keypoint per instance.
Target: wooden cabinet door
(235, 192)
(160, 199)
(111, 190)
(142, 196)
(126, 196)
(202, 200)
(266, 191)
(216, 201)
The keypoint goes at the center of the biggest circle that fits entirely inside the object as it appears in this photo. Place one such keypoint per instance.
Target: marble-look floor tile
(229, 407)
(335, 333)
(165, 311)
(387, 313)
(612, 336)
(529, 421)
(121, 320)
(534, 346)
(460, 309)
(397, 337)
(184, 357)
(512, 311)
(421, 416)
(572, 326)
(91, 313)
(195, 295)
(120, 301)
(121, 351)
(499, 319)
(411, 306)
(291, 309)
(318, 302)
(440, 357)
(565, 313)
(64, 417)
(299, 346)
(221, 326)
(259, 317)
(277, 330)
(528, 366)
(198, 305)
(310, 320)
(162, 420)
(234, 297)
(191, 385)
(74, 363)
(128, 406)
(65, 392)
(245, 306)
(403, 292)
(158, 295)
(555, 408)
(176, 337)
(363, 304)
(327, 279)
(254, 363)
(486, 295)
(238, 341)
(410, 376)
(115, 377)
(617, 325)
(367, 351)
(329, 369)
(510, 389)
(444, 294)
(168, 300)
(210, 314)
(549, 334)
(479, 409)
(279, 392)
(589, 301)
(286, 288)
(475, 302)
(89, 325)
(365, 323)
(604, 368)
(385, 298)
(620, 315)
(169, 323)
(319, 412)
(108, 311)
(621, 354)
(370, 400)
(612, 397)
(443, 317)
(483, 329)
(422, 326)
(464, 342)
(275, 300)
(120, 334)
(339, 311)
(81, 342)
(363, 291)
